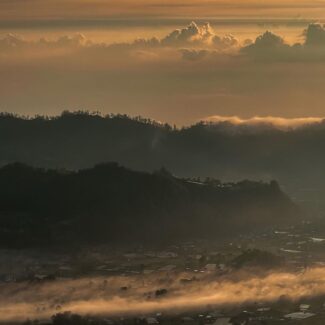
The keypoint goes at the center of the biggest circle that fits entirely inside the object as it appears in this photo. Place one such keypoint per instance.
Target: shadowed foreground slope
(109, 203)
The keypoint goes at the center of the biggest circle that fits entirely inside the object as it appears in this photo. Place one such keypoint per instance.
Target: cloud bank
(193, 43)
(276, 122)
(192, 39)
(272, 47)
(102, 296)
(193, 36)
(179, 77)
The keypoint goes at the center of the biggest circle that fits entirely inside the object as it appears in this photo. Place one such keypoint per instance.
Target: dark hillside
(109, 203)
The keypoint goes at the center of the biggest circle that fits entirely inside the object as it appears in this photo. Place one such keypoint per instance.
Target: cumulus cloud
(192, 33)
(276, 122)
(15, 42)
(269, 46)
(315, 35)
(198, 36)
(273, 47)
(192, 37)
(268, 41)
(194, 42)
(227, 41)
(193, 55)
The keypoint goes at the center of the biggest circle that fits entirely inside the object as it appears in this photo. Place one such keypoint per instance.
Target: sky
(99, 9)
(173, 61)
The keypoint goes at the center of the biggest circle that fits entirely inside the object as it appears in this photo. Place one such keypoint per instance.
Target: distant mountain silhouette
(109, 203)
(296, 158)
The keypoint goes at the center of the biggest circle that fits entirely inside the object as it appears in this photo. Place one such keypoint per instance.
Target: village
(157, 274)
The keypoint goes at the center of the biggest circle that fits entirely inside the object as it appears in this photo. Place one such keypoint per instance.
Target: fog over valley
(162, 162)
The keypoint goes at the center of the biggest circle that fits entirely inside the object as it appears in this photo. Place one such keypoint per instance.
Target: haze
(124, 57)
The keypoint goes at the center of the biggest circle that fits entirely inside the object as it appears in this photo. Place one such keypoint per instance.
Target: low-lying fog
(138, 295)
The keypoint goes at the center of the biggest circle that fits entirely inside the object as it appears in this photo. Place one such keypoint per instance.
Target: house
(304, 307)
(222, 321)
(299, 315)
(210, 267)
(168, 268)
(151, 321)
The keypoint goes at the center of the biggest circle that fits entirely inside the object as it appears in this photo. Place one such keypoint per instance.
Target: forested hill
(295, 158)
(109, 203)
(81, 140)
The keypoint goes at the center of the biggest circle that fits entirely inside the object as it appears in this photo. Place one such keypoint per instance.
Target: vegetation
(224, 151)
(109, 203)
(257, 258)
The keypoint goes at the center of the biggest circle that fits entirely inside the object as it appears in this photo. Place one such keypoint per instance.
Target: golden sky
(145, 57)
(90, 9)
